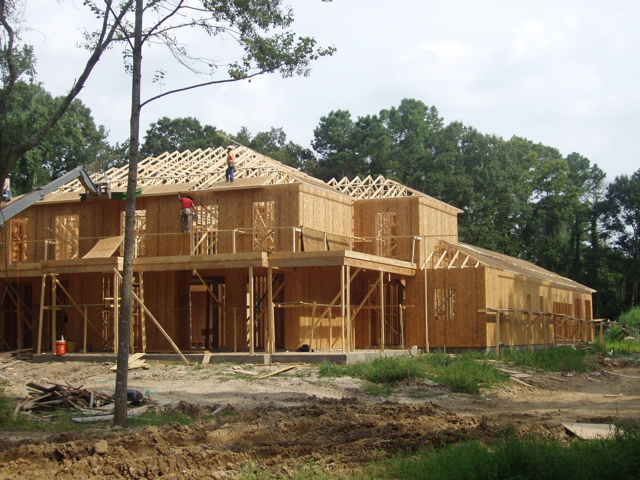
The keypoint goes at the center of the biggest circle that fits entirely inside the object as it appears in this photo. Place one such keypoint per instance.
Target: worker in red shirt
(186, 212)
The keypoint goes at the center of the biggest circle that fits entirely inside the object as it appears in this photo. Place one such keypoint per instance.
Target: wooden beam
(252, 313)
(41, 317)
(382, 318)
(271, 313)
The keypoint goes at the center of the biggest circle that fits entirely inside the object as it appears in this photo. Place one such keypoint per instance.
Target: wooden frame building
(273, 261)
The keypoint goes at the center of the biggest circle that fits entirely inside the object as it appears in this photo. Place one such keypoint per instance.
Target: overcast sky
(562, 73)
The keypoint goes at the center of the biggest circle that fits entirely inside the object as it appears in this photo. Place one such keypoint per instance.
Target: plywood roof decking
(513, 265)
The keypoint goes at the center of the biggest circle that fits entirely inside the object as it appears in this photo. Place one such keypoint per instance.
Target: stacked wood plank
(43, 398)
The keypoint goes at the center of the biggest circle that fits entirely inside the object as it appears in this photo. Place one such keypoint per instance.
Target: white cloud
(561, 73)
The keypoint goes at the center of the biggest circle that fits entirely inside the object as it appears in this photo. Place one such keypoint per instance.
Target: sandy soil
(279, 423)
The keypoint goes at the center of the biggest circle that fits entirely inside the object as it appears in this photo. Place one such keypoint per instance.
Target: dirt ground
(294, 419)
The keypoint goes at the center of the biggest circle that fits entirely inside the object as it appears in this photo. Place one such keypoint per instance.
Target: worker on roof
(6, 190)
(231, 164)
(186, 213)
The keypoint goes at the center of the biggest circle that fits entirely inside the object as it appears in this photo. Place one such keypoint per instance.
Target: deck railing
(212, 242)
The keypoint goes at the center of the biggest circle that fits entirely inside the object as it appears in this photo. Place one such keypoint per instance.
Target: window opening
(205, 229)
(386, 233)
(263, 226)
(18, 240)
(67, 237)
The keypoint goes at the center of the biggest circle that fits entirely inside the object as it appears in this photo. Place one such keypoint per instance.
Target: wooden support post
(84, 331)
(342, 306)
(342, 282)
(271, 314)
(54, 314)
(555, 330)
(19, 324)
(235, 331)
(348, 302)
(498, 333)
(426, 299)
(382, 311)
(512, 329)
(116, 310)
(293, 239)
(143, 328)
(252, 312)
(42, 297)
(313, 321)
(401, 313)
(601, 335)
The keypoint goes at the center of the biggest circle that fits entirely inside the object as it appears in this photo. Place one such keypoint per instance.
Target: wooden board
(591, 430)
(168, 188)
(105, 247)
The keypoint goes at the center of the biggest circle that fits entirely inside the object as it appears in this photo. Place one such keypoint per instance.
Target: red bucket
(61, 347)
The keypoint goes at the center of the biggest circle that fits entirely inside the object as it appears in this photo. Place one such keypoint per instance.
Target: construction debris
(61, 396)
(592, 430)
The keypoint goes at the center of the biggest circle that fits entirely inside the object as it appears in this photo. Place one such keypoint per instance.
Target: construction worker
(231, 164)
(6, 190)
(186, 212)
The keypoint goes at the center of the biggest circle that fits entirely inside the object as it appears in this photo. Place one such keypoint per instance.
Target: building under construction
(273, 262)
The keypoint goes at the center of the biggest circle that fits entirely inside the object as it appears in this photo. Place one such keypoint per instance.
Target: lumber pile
(61, 396)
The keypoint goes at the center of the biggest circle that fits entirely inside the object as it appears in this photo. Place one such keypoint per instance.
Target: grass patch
(557, 359)
(460, 373)
(523, 459)
(619, 347)
(377, 389)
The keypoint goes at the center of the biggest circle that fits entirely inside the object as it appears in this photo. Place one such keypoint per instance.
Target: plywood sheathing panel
(466, 328)
(105, 247)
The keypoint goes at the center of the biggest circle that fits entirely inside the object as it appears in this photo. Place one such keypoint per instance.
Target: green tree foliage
(178, 134)
(520, 198)
(18, 137)
(333, 142)
(72, 141)
(623, 220)
(274, 144)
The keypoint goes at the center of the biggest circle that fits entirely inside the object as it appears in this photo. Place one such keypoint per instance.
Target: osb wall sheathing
(466, 329)
(438, 221)
(415, 216)
(97, 218)
(308, 285)
(407, 213)
(236, 312)
(235, 209)
(510, 291)
(322, 211)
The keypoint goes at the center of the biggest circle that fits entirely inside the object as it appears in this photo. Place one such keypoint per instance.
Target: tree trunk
(124, 322)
